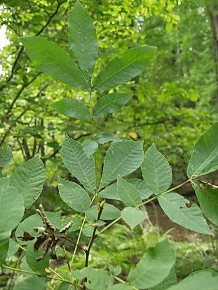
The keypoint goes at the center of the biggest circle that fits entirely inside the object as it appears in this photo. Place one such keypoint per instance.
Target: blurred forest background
(174, 102)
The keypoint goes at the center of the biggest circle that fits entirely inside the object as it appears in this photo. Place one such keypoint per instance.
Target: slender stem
(101, 207)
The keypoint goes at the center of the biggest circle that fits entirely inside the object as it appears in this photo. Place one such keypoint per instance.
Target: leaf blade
(51, 59)
(123, 68)
(83, 40)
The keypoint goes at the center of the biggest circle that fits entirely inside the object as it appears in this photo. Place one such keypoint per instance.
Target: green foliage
(153, 267)
(156, 171)
(44, 237)
(29, 179)
(5, 156)
(38, 282)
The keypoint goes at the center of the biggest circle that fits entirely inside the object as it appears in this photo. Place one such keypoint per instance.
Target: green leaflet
(110, 212)
(110, 103)
(78, 163)
(72, 108)
(128, 193)
(83, 40)
(202, 280)
(204, 158)
(39, 283)
(74, 195)
(175, 207)
(5, 156)
(133, 216)
(153, 267)
(29, 179)
(51, 59)
(156, 171)
(90, 146)
(208, 200)
(122, 158)
(122, 69)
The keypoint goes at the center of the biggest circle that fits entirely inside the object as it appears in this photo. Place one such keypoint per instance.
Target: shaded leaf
(204, 158)
(51, 59)
(78, 163)
(90, 146)
(31, 256)
(122, 69)
(110, 212)
(190, 217)
(156, 171)
(29, 179)
(104, 137)
(72, 108)
(74, 195)
(111, 103)
(208, 200)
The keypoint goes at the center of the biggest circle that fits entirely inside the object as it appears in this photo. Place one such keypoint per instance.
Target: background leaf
(153, 267)
(122, 158)
(78, 163)
(122, 69)
(83, 39)
(175, 207)
(90, 146)
(156, 171)
(72, 108)
(29, 179)
(74, 195)
(51, 59)
(204, 158)
(110, 103)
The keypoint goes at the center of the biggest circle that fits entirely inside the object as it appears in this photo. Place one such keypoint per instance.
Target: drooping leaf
(208, 200)
(153, 267)
(133, 216)
(111, 103)
(128, 193)
(51, 59)
(122, 158)
(96, 278)
(83, 39)
(201, 280)
(11, 207)
(122, 69)
(29, 179)
(78, 163)
(39, 283)
(190, 217)
(31, 256)
(110, 192)
(156, 171)
(204, 158)
(74, 195)
(5, 156)
(13, 248)
(72, 108)
(90, 146)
